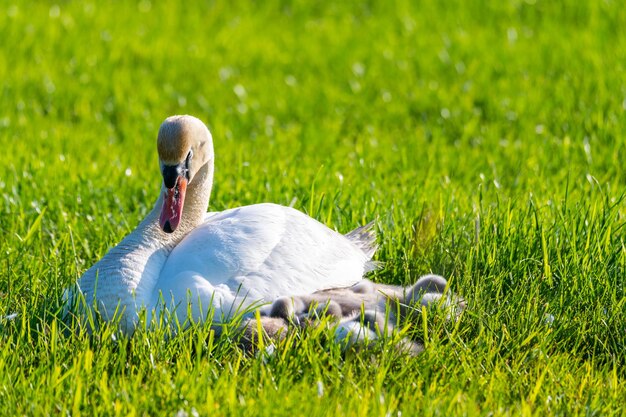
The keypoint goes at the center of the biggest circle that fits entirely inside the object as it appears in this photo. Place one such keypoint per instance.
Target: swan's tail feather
(364, 238)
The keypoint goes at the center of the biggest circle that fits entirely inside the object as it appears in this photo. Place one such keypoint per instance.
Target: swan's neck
(125, 277)
(195, 207)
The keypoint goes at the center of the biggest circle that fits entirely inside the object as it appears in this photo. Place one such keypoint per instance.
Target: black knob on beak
(171, 173)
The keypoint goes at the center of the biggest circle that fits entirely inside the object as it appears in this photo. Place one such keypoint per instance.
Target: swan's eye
(188, 165)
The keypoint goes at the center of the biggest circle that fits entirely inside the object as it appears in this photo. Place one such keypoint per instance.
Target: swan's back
(262, 252)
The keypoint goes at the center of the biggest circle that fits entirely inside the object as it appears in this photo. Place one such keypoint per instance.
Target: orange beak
(173, 203)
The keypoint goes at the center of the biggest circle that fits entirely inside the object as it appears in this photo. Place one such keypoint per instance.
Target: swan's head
(185, 145)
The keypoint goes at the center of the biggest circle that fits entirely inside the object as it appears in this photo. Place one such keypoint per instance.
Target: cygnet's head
(184, 144)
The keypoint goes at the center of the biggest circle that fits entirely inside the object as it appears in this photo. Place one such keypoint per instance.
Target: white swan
(184, 259)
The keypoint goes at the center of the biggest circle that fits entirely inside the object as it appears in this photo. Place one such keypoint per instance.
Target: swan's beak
(173, 204)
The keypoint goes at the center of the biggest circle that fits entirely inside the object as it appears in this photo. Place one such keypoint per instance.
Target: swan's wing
(210, 214)
(262, 252)
(311, 257)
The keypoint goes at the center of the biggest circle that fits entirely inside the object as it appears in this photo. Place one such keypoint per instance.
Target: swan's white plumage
(254, 253)
(228, 259)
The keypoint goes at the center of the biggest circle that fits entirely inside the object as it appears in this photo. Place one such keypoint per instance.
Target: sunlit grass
(486, 138)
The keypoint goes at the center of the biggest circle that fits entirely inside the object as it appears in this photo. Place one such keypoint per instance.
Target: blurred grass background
(485, 137)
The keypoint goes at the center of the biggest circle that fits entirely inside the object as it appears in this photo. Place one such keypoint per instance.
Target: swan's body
(183, 260)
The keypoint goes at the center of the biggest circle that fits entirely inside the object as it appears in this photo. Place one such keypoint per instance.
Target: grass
(486, 137)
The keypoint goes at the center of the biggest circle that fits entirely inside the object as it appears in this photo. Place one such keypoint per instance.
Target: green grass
(486, 137)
